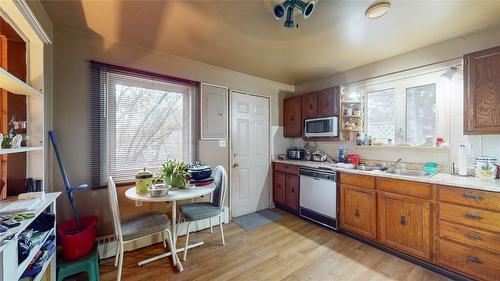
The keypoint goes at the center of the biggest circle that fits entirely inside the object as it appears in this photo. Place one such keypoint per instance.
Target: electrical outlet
(138, 203)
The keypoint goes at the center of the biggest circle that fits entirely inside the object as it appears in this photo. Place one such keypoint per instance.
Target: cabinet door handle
(472, 216)
(473, 236)
(402, 220)
(474, 259)
(472, 196)
(356, 213)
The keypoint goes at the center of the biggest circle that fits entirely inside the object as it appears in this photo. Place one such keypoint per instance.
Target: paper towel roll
(462, 160)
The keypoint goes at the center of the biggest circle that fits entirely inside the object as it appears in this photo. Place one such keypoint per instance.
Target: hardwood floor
(289, 249)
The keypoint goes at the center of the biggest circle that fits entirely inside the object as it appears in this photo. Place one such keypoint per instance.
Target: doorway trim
(230, 155)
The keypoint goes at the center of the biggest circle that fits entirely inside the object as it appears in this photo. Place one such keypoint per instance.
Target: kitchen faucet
(395, 164)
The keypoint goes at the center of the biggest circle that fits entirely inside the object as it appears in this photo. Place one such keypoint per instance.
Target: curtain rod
(401, 71)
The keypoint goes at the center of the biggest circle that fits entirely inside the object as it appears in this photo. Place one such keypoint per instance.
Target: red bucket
(77, 244)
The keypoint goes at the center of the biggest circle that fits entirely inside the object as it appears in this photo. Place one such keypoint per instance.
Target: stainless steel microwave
(321, 127)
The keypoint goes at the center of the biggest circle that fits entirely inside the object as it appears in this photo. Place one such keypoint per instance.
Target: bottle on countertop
(342, 152)
(366, 140)
(359, 140)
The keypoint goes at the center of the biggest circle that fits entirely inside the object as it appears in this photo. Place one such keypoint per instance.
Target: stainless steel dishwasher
(318, 196)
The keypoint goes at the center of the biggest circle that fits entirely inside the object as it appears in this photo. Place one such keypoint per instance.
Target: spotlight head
(289, 18)
(307, 8)
(279, 11)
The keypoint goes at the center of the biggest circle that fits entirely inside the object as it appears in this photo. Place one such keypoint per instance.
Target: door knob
(236, 165)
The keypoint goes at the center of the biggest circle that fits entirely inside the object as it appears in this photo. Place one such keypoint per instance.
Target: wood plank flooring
(289, 249)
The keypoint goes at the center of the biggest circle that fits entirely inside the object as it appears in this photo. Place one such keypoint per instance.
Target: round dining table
(174, 195)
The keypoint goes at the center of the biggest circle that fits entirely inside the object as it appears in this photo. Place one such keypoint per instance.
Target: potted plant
(173, 173)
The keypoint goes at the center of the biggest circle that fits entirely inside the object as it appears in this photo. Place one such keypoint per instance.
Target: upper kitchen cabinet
(214, 111)
(328, 102)
(292, 117)
(310, 105)
(322, 103)
(482, 92)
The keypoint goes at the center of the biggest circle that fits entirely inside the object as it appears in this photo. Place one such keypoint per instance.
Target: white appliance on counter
(318, 196)
(321, 127)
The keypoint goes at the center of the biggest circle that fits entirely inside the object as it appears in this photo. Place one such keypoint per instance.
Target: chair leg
(187, 241)
(120, 264)
(211, 228)
(221, 230)
(163, 239)
(117, 254)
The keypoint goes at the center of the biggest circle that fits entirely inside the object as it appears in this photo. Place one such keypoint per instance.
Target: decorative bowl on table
(158, 190)
(198, 172)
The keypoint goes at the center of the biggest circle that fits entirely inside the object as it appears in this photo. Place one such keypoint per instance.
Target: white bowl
(158, 190)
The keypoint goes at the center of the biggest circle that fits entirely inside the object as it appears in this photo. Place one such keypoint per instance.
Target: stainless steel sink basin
(412, 173)
(367, 168)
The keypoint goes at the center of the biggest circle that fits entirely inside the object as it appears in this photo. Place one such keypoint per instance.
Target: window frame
(99, 114)
(400, 86)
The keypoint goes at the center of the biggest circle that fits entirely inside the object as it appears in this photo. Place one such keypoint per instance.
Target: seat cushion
(144, 225)
(199, 211)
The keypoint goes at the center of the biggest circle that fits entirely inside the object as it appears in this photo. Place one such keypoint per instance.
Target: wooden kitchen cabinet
(358, 211)
(292, 117)
(292, 193)
(482, 92)
(328, 102)
(286, 187)
(279, 183)
(405, 224)
(310, 105)
(469, 232)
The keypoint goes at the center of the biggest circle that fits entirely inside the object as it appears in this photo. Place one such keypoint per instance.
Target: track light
(448, 74)
(288, 6)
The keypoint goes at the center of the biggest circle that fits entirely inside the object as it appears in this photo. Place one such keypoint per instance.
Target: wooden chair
(207, 210)
(136, 228)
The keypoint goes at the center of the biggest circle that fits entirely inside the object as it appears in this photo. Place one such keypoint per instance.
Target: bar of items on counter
(17, 136)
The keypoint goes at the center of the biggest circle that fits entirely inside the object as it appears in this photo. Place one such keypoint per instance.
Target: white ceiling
(244, 36)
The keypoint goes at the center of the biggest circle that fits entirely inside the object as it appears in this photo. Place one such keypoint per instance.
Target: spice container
(486, 167)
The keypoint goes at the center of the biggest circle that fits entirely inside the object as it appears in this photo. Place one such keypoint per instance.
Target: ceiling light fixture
(288, 7)
(377, 10)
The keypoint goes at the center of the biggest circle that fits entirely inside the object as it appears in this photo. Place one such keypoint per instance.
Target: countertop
(440, 178)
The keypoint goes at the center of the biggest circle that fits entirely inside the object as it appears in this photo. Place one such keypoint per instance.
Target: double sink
(394, 171)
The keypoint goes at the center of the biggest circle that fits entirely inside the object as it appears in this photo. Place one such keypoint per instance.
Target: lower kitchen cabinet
(292, 193)
(405, 224)
(358, 212)
(286, 186)
(279, 183)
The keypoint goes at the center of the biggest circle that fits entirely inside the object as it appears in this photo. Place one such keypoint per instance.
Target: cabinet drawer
(469, 197)
(472, 237)
(358, 180)
(470, 216)
(409, 188)
(286, 168)
(472, 262)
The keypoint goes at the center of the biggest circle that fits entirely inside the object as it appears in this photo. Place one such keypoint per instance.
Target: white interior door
(250, 173)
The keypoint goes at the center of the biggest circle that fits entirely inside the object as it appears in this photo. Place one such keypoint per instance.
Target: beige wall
(447, 50)
(72, 51)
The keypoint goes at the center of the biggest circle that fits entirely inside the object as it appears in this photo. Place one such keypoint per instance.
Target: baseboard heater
(318, 218)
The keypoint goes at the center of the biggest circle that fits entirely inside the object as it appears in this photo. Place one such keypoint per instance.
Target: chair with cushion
(136, 228)
(207, 210)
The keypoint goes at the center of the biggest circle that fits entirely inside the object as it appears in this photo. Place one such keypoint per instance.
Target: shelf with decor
(20, 149)
(352, 113)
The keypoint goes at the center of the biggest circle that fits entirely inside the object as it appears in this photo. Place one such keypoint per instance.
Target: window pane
(149, 122)
(421, 113)
(381, 114)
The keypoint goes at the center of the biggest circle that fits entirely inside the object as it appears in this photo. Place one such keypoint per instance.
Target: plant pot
(176, 181)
